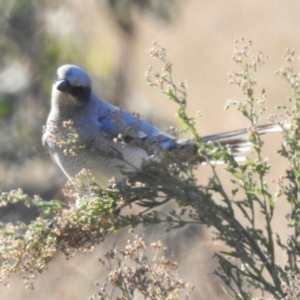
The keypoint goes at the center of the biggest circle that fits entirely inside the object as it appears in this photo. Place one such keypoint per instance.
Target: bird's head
(71, 86)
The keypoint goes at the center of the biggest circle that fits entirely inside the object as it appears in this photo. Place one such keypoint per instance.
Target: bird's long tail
(237, 141)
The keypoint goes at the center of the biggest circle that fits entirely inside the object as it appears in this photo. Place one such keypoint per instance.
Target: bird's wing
(115, 122)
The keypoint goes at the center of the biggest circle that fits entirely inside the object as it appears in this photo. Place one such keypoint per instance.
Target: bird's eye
(82, 93)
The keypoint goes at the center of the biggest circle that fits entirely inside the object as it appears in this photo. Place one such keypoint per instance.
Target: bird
(83, 132)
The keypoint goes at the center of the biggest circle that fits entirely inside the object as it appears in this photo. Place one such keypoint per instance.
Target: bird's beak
(63, 86)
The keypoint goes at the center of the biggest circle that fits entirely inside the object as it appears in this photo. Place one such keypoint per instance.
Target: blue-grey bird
(84, 132)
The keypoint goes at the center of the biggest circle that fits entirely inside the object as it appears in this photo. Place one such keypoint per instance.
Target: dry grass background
(199, 42)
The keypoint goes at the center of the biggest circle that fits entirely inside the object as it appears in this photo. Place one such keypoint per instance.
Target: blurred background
(109, 39)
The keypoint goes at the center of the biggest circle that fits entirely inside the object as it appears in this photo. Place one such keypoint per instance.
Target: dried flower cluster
(292, 288)
(29, 248)
(287, 71)
(134, 272)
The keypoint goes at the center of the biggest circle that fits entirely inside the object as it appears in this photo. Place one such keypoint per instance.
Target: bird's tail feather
(238, 140)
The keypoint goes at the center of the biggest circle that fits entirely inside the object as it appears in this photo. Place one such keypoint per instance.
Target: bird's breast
(76, 150)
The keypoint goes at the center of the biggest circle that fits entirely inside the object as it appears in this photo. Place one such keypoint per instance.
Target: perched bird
(84, 132)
